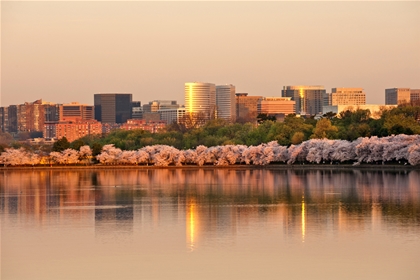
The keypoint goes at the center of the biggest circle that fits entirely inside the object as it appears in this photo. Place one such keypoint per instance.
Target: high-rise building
(276, 106)
(12, 120)
(113, 107)
(200, 99)
(246, 107)
(348, 96)
(76, 111)
(395, 96)
(225, 102)
(4, 119)
(309, 99)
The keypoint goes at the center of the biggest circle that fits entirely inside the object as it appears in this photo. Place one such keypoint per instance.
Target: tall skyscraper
(309, 99)
(113, 107)
(225, 102)
(348, 96)
(200, 98)
(395, 96)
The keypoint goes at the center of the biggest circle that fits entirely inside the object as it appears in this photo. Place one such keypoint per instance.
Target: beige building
(395, 96)
(276, 106)
(348, 96)
(375, 109)
(76, 111)
(246, 107)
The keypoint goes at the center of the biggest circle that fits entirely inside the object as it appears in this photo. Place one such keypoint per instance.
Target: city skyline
(69, 51)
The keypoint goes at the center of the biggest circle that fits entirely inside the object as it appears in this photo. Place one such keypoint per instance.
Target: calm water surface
(210, 224)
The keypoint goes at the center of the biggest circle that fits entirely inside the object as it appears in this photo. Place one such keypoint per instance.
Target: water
(210, 224)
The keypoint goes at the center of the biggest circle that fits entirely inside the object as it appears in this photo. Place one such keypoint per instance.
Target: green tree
(297, 138)
(96, 149)
(61, 145)
(324, 129)
(76, 144)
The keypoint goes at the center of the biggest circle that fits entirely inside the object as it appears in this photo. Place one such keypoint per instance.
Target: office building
(113, 107)
(76, 111)
(276, 106)
(156, 105)
(200, 100)
(415, 96)
(309, 99)
(225, 102)
(136, 110)
(246, 107)
(348, 96)
(4, 119)
(395, 96)
(172, 115)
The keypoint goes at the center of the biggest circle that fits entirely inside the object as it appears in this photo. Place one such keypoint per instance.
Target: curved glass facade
(200, 98)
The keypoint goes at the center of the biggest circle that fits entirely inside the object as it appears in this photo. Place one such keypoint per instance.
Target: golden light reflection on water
(303, 219)
(191, 226)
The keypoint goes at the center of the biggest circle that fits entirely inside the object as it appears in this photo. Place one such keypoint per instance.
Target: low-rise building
(152, 126)
(375, 109)
(72, 130)
(276, 106)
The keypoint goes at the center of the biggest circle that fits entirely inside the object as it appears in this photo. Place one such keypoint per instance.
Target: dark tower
(113, 107)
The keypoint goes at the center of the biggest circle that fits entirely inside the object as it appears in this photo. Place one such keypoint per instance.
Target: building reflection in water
(212, 202)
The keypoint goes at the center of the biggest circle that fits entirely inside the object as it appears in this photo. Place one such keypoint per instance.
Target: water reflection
(216, 200)
(184, 223)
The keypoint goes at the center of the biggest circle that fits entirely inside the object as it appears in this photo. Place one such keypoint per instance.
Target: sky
(67, 51)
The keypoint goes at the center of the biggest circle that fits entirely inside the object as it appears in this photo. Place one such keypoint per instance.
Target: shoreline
(371, 167)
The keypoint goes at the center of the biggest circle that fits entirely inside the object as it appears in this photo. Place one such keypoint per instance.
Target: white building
(172, 115)
(225, 102)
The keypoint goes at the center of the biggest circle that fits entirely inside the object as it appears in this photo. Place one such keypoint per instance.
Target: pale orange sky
(68, 51)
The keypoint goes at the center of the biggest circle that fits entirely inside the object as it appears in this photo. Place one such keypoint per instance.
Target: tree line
(400, 148)
(294, 130)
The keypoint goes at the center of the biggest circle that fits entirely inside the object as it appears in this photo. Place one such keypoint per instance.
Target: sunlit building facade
(200, 98)
(76, 111)
(395, 96)
(276, 106)
(225, 102)
(348, 96)
(309, 99)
